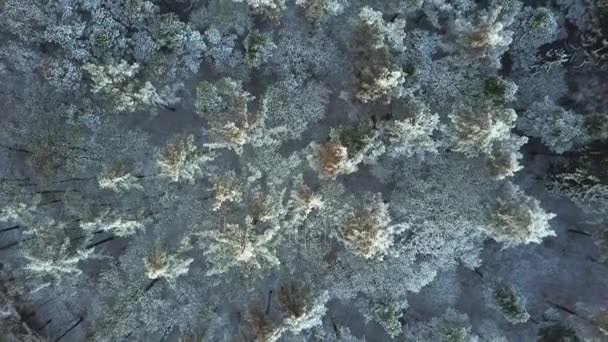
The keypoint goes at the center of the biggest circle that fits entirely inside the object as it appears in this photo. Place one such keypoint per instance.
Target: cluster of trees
(228, 169)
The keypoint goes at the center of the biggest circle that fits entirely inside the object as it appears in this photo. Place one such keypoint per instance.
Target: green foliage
(557, 333)
(451, 326)
(208, 98)
(292, 297)
(596, 126)
(455, 334)
(253, 42)
(510, 305)
(258, 48)
(101, 41)
(355, 138)
(499, 90)
(319, 11)
(388, 317)
(539, 19)
(495, 87)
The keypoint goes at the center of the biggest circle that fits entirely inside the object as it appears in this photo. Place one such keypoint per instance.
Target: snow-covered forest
(304, 170)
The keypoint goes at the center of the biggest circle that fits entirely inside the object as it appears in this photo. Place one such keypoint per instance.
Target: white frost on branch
(226, 189)
(160, 264)
(118, 227)
(18, 211)
(412, 136)
(238, 246)
(380, 82)
(505, 156)
(119, 83)
(319, 10)
(269, 8)
(312, 312)
(383, 33)
(52, 256)
(183, 160)
(117, 179)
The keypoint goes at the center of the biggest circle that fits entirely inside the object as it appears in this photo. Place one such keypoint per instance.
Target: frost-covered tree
(101, 34)
(330, 160)
(269, 8)
(119, 85)
(583, 179)
(226, 189)
(537, 26)
(367, 231)
(225, 105)
(486, 36)
(130, 302)
(222, 101)
(240, 246)
(505, 156)
(379, 33)
(288, 108)
(182, 160)
(475, 132)
(318, 11)
(378, 82)
(119, 227)
(52, 256)
(302, 307)
(388, 316)
(379, 76)
(518, 219)
(222, 49)
(160, 264)
(259, 48)
(559, 129)
(412, 136)
(117, 178)
(17, 207)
